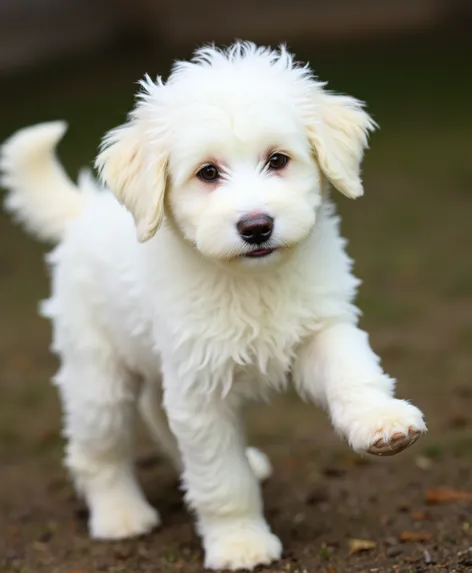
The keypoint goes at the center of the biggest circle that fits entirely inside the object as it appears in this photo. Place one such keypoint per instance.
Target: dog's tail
(40, 195)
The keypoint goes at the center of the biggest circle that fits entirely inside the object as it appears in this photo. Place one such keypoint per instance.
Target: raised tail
(40, 195)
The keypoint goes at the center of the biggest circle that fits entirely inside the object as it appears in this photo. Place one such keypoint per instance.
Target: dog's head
(235, 148)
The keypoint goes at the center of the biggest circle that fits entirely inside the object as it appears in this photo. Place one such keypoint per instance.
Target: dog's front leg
(220, 485)
(338, 369)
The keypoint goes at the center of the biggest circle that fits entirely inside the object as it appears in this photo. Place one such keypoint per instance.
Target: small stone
(427, 557)
(423, 463)
(403, 506)
(394, 552)
(316, 496)
(334, 472)
(45, 537)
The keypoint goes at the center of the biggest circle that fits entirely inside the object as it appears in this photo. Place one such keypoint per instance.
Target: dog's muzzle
(255, 229)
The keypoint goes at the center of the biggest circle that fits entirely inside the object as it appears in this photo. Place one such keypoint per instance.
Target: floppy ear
(139, 183)
(339, 137)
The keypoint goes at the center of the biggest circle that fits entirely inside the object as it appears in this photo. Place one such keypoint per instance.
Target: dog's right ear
(125, 166)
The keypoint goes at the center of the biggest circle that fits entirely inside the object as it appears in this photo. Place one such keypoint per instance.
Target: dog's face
(235, 148)
(244, 184)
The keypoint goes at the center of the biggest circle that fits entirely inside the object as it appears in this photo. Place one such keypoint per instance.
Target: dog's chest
(247, 326)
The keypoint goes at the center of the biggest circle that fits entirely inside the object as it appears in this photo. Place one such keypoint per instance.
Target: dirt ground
(410, 235)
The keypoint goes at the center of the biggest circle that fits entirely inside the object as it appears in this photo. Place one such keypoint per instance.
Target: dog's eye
(277, 161)
(208, 173)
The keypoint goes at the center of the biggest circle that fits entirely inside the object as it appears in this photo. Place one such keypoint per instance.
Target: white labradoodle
(217, 273)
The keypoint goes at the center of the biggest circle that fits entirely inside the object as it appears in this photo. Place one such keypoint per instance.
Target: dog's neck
(186, 255)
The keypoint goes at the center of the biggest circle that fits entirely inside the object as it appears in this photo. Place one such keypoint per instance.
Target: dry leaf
(420, 516)
(447, 494)
(359, 545)
(415, 536)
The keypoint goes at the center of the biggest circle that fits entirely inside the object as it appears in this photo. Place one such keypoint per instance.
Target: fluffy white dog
(237, 278)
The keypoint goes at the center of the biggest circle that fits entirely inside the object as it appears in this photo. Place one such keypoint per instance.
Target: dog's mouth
(259, 253)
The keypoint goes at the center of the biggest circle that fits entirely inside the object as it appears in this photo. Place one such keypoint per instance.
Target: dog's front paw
(387, 429)
(125, 518)
(241, 544)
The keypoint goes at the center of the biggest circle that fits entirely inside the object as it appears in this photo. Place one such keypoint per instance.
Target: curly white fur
(183, 317)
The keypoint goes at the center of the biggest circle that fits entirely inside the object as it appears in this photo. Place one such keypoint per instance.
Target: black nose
(255, 229)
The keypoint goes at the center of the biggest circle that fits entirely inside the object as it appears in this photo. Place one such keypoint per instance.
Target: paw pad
(396, 444)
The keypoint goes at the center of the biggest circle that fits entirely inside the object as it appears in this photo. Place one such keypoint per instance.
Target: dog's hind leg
(153, 414)
(99, 400)
(155, 417)
(259, 463)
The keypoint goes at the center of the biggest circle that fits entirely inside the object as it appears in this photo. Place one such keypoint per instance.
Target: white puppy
(236, 281)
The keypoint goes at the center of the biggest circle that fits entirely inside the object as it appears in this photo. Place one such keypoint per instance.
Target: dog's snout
(255, 229)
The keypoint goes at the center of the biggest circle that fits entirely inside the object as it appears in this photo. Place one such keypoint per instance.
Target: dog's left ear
(136, 174)
(339, 133)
